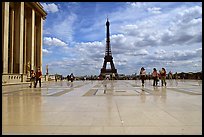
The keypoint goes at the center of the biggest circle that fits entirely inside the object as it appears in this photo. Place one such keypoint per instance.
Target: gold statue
(28, 68)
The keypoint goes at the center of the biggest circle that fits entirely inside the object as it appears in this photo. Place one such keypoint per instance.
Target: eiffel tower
(108, 55)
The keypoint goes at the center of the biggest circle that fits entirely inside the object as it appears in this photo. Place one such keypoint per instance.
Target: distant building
(22, 29)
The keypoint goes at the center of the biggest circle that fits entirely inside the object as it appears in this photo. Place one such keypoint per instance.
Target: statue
(46, 69)
(28, 69)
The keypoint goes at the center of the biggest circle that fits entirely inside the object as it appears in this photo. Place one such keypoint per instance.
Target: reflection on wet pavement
(103, 107)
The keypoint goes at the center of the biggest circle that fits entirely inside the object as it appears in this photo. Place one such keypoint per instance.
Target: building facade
(22, 33)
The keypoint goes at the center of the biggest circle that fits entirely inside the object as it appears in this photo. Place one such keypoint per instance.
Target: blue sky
(142, 34)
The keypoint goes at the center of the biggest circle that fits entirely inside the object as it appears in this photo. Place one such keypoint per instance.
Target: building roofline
(37, 6)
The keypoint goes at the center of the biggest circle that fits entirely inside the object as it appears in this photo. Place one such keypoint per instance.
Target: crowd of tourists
(156, 75)
(70, 77)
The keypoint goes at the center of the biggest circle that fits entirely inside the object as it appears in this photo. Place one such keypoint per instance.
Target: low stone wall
(18, 78)
(15, 84)
(12, 78)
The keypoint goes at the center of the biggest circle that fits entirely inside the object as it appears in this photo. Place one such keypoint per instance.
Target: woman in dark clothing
(155, 76)
(142, 75)
(38, 77)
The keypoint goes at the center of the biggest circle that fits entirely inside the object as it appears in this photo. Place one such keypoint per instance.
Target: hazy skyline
(142, 34)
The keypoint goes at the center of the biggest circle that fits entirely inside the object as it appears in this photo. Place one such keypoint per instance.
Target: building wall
(22, 26)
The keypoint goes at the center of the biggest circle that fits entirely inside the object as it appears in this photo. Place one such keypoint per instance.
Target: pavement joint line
(122, 122)
(54, 93)
(95, 92)
(184, 91)
(137, 91)
(61, 92)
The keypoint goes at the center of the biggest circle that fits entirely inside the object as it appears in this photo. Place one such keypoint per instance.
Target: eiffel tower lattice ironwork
(108, 55)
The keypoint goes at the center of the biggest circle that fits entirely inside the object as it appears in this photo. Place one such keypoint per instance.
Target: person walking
(170, 75)
(32, 78)
(38, 77)
(142, 75)
(155, 76)
(163, 76)
(72, 77)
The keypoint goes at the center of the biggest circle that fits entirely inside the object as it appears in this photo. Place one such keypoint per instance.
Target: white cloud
(64, 28)
(50, 8)
(154, 10)
(46, 51)
(167, 29)
(176, 55)
(48, 41)
(141, 52)
(190, 13)
(130, 29)
(160, 51)
(137, 4)
(91, 50)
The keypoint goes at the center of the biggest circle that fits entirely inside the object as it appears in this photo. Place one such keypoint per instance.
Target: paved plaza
(103, 107)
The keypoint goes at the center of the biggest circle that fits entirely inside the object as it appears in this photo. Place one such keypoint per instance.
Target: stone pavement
(103, 107)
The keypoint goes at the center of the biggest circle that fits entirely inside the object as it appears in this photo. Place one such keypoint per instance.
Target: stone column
(11, 39)
(35, 48)
(32, 37)
(5, 34)
(19, 27)
(39, 41)
(25, 47)
(21, 36)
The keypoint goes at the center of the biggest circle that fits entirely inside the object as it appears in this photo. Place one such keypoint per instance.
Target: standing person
(84, 78)
(170, 75)
(142, 75)
(32, 78)
(155, 76)
(176, 78)
(113, 76)
(67, 77)
(163, 76)
(55, 77)
(72, 77)
(38, 77)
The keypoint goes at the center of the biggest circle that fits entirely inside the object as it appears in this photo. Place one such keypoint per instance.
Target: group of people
(35, 77)
(155, 75)
(70, 77)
